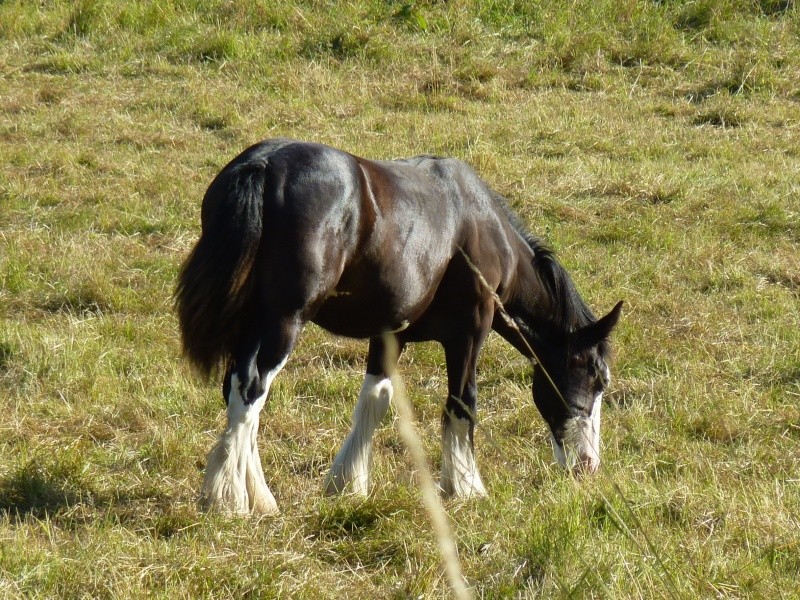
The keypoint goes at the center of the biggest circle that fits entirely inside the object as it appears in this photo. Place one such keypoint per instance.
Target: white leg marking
(460, 475)
(261, 499)
(351, 467)
(234, 481)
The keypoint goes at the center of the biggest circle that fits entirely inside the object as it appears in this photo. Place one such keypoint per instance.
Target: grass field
(655, 145)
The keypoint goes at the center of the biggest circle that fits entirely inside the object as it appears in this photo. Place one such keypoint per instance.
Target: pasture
(654, 145)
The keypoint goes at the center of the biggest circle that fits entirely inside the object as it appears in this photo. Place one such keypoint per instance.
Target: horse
(420, 248)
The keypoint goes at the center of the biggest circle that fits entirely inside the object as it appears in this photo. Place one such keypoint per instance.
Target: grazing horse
(422, 248)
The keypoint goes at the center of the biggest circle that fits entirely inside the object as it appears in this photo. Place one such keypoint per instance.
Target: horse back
(361, 246)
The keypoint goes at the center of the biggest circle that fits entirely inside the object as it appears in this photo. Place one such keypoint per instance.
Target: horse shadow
(30, 491)
(34, 491)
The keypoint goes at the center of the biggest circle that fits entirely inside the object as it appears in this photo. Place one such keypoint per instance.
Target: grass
(654, 144)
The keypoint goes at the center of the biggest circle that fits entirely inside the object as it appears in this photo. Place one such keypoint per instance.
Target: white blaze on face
(579, 450)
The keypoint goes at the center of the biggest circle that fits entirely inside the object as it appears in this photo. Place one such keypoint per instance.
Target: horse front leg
(460, 476)
(234, 480)
(351, 467)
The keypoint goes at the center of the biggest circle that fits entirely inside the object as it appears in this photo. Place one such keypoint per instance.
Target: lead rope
(617, 520)
(511, 323)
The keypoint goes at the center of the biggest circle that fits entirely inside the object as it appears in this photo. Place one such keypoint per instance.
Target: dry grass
(655, 145)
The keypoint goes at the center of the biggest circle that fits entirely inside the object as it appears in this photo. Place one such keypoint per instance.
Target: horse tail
(215, 286)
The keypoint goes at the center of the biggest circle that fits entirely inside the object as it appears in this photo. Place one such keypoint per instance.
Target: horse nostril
(587, 464)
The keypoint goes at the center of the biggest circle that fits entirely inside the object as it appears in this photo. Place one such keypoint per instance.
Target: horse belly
(360, 312)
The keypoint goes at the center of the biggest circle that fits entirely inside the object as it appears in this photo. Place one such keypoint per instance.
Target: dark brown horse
(295, 232)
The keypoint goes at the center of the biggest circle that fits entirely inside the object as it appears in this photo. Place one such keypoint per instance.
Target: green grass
(653, 144)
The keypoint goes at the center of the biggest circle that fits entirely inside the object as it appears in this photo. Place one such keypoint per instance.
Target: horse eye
(601, 374)
(594, 370)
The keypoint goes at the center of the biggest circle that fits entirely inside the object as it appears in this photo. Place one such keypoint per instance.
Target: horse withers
(294, 232)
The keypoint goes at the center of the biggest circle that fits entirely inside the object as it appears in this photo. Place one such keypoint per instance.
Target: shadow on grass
(34, 490)
(362, 533)
(60, 492)
(341, 519)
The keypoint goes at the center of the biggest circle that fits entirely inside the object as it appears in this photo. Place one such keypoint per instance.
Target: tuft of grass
(85, 18)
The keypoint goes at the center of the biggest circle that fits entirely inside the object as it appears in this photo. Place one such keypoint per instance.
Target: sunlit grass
(654, 145)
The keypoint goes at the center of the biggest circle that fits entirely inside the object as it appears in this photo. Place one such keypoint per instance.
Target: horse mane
(571, 312)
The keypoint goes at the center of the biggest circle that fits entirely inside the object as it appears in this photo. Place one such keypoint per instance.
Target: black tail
(215, 284)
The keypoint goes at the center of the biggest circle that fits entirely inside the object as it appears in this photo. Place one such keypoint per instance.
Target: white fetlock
(460, 477)
(261, 500)
(223, 487)
(351, 467)
(234, 479)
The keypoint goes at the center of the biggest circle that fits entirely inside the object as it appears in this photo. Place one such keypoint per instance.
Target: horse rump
(215, 285)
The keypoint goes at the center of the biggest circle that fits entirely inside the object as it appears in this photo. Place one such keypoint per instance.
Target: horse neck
(545, 305)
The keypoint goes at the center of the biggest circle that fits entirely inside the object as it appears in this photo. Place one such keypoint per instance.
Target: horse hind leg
(260, 498)
(351, 467)
(234, 480)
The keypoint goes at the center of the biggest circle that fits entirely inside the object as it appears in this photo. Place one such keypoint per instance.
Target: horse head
(568, 384)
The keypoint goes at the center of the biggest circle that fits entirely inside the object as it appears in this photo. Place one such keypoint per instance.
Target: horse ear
(607, 323)
(598, 331)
